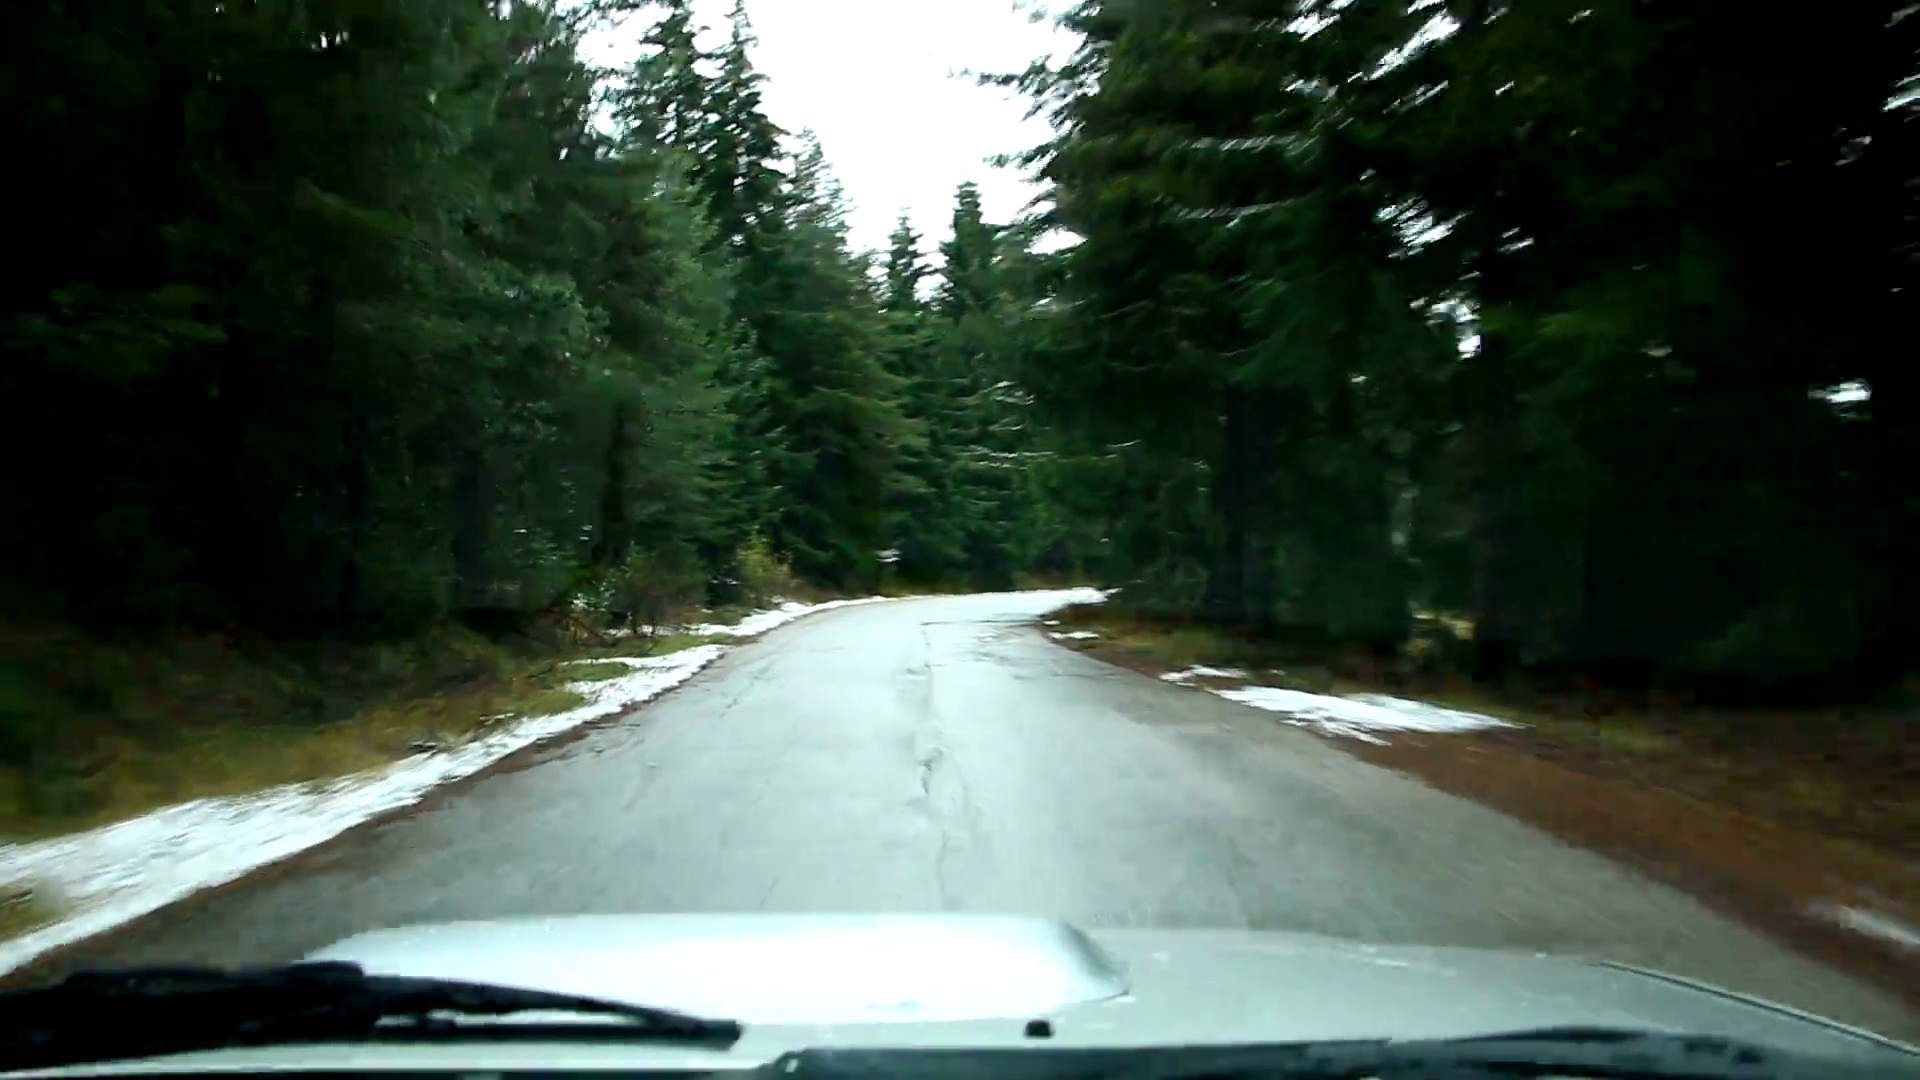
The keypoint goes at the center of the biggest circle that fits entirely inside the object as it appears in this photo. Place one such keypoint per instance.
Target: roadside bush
(653, 589)
(763, 575)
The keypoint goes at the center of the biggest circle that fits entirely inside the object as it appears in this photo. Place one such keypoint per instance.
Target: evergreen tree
(1457, 307)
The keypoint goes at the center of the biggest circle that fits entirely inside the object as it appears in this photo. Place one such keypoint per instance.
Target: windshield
(1188, 523)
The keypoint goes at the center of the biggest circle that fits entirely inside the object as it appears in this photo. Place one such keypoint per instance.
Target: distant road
(941, 755)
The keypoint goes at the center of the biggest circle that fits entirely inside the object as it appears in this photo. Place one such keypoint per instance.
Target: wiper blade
(99, 1016)
(1619, 1054)
(1614, 1052)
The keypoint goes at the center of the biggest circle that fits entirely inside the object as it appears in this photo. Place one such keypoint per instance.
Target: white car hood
(821, 981)
(849, 978)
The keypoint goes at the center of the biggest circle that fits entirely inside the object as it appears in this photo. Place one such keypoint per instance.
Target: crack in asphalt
(752, 675)
(933, 763)
(940, 879)
(928, 762)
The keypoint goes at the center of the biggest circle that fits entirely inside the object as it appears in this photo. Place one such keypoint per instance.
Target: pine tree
(1290, 221)
(925, 516)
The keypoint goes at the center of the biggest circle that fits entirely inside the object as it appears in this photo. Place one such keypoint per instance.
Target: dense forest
(349, 317)
(1580, 318)
(1577, 320)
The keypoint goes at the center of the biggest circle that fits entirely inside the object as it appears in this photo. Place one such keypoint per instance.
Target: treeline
(1577, 319)
(333, 317)
(1583, 319)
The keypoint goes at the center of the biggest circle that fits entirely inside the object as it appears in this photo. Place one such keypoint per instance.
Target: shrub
(763, 574)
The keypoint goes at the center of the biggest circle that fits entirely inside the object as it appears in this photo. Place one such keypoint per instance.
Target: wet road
(942, 755)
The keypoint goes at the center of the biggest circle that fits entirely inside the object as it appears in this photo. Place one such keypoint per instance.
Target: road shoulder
(1847, 904)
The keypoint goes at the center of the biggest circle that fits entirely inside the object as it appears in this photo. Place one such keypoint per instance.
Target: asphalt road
(942, 755)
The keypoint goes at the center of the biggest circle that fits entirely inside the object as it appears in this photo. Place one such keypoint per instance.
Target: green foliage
(360, 324)
(764, 576)
(1529, 312)
(402, 334)
(94, 728)
(654, 588)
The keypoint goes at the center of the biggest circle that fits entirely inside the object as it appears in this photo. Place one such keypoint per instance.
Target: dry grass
(93, 731)
(128, 775)
(1841, 773)
(22, 909)
(1154, 647)
(1761, 813)
(1756, 868)
(657, 644)
(601, 672)
(130, 729)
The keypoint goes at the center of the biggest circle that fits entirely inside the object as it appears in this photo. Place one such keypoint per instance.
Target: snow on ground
(115, 874)
(118, 873)
(1362, 716)
(761, 622)
(1074, 635)
(1873, 924)
(1202, 671)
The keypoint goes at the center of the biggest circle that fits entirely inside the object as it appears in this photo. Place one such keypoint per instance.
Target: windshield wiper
(1618, 1054)
(1609, 1053)
(100, 1016)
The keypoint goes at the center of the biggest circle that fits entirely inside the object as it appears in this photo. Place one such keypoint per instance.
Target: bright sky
(877, 81)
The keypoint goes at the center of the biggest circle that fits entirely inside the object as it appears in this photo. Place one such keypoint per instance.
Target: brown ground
(1763, 816)
(1764, 873)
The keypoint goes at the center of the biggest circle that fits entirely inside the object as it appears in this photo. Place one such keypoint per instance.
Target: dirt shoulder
(1803, 842)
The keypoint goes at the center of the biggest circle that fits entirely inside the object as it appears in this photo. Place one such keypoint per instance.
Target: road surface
(942, 755)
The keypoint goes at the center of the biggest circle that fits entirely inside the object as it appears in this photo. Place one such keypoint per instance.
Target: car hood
(816, 981)
(862, 974)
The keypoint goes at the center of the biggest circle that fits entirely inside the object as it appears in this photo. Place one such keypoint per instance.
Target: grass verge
(23, 909)
(93, 732)
(596, 672)
(1846, 773)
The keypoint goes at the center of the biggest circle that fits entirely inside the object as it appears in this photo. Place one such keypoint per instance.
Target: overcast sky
(875, 79)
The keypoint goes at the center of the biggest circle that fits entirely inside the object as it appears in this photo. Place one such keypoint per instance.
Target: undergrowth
(1841, 772)
(93, 731)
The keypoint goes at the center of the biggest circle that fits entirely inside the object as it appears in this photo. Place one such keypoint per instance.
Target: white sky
(877, 81)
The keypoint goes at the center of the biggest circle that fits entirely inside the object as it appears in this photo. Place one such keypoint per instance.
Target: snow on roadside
(115, 874)
(1202, 671)
(1360, 717)
(1873, 924)
(118, 873)
(760, 622)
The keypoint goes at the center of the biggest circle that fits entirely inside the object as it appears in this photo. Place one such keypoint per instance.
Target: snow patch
(120, 872)
(1361, 716)
(1871, 923)
(760, 622)
(1202, 671)
(1355, 716)
(1074, 635)
(115, 874)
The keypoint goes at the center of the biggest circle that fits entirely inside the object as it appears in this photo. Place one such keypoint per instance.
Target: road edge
(1807, 932)
(35, 966)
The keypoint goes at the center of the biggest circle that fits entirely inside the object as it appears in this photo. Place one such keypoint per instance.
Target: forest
(1582, 320)
(365, 315)
(1578, 322)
